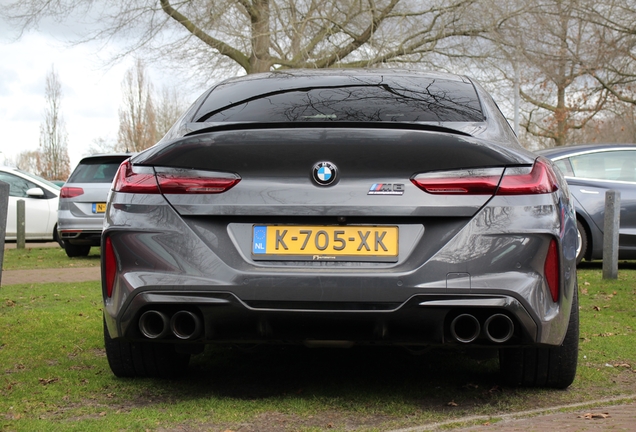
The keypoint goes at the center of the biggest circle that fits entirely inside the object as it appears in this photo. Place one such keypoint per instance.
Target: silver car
(83, 202)
(341, 207)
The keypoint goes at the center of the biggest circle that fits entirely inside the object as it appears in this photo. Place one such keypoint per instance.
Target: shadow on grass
(375, 377)
(598, 265)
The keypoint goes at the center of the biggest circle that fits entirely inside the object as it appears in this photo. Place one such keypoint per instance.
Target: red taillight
(464, 182)
(70, 192)
(110, 266)
(551, 270)
(140, 179)
(540, 180)
(171, 184)
(135, 179)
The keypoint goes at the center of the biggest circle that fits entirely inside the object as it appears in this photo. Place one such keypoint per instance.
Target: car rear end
(334, 234)
(83, 202)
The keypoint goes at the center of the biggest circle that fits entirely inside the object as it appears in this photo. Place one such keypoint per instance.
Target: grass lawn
(54, 257)
(56, 377)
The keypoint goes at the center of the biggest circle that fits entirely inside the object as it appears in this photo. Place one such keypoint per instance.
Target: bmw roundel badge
(325, 173)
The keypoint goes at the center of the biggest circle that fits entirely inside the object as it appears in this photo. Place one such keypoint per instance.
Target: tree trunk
(260, 59)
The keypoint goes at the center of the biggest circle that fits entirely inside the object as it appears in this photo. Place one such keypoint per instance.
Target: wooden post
(610, 234)
(4, 208)
(20, 222)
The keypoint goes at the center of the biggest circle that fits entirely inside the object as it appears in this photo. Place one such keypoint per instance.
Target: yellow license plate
(325, 243)
(99, 207)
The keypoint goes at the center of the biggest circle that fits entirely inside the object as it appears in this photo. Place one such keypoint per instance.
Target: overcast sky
(91, 91)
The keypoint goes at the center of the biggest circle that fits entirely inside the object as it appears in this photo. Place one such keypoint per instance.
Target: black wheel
(143, 359)
(76, 250)
(581, 250)
(553, 367)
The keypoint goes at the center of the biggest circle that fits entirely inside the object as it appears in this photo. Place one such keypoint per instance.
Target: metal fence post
(4, 208)
(610, 234)
(20, 222)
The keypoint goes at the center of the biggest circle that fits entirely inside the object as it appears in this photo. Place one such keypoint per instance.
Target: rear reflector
(149, 180)
(551, 270)
(70, 192)
(538, 179)
(110, 267)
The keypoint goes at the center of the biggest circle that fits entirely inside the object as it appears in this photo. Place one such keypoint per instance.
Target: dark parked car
(333, 208)
(83, 202)
(590, 171)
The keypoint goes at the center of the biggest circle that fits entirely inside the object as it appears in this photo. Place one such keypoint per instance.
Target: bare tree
(29, 160)
(261, 35)
(137, 121)
(545, 52)
(54, 160)
(615, 20)
(170, 106)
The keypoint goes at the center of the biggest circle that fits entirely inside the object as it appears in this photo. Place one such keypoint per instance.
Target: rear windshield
(96, 170)
(406, 100)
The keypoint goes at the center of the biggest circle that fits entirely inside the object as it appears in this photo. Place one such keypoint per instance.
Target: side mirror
(35, 192)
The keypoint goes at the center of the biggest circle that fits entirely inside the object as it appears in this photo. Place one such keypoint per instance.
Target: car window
(17, 185)
(610, 165)
(98, 171)
(386, 101)
(564, 166)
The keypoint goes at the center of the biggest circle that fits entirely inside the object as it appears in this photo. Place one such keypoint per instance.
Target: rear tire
(582, 235)
(143, 359)
(76, 250)
(553, 367)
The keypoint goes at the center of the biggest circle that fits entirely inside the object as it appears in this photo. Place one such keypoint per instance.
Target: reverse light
(110, 266)
(70, 192)
(551, 270)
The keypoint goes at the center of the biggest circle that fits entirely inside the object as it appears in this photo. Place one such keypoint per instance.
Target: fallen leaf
(589, 416)
(47, 381)
(10, 303)
(586, 283)
(102, 414)
(625, 365)
(452, 404)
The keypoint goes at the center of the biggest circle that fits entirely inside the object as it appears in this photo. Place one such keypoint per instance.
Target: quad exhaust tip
(498, 328)
(185, 325)
(465, 328)
(154, 324)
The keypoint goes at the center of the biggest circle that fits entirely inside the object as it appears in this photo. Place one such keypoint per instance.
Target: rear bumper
(81, 237)
(423, 319)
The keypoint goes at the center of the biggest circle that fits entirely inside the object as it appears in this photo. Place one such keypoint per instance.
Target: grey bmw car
(335, 208)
